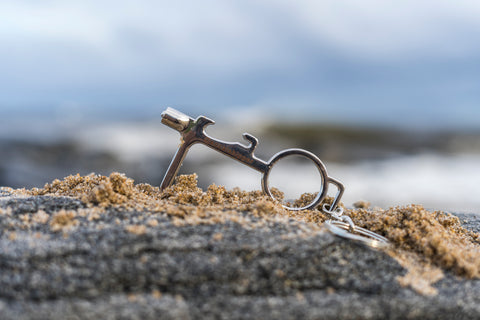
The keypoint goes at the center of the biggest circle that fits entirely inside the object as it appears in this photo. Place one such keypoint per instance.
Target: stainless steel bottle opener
(193, 131)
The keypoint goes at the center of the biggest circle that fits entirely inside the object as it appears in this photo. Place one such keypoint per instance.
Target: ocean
(439, 170)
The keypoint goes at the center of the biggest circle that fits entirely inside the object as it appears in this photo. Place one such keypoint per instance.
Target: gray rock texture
(217, 271)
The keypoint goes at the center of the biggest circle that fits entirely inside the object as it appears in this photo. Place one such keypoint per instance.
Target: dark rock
(46, 203)
(101, 271)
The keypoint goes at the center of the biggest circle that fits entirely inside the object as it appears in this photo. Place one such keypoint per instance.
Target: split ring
(342, 229)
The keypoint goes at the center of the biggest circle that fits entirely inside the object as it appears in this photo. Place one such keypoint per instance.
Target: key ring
(193, 131)
(347, 229)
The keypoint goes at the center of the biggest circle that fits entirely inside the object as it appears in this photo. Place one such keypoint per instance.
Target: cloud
(213, 32)
(383, 29)
(320, 54)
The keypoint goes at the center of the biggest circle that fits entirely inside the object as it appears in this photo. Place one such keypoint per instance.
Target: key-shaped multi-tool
(192, 131)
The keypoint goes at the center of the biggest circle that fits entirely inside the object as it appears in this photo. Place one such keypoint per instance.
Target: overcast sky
(369, 60)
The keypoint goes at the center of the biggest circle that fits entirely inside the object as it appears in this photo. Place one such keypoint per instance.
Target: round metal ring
(365, 236)
(321, 169)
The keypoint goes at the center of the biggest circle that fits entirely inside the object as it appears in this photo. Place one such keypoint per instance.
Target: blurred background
(386, 94)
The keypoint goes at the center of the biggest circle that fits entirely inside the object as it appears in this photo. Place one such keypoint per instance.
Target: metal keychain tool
(192, 131)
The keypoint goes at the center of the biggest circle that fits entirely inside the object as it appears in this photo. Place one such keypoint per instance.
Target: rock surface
(221, 271)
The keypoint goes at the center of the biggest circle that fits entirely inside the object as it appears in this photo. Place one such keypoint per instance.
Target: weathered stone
(101, 271)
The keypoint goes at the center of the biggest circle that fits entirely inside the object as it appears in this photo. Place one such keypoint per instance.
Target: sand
(418, 236)
(97, 247)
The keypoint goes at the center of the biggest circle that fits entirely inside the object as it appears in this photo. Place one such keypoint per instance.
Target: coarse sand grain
(424, 242)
